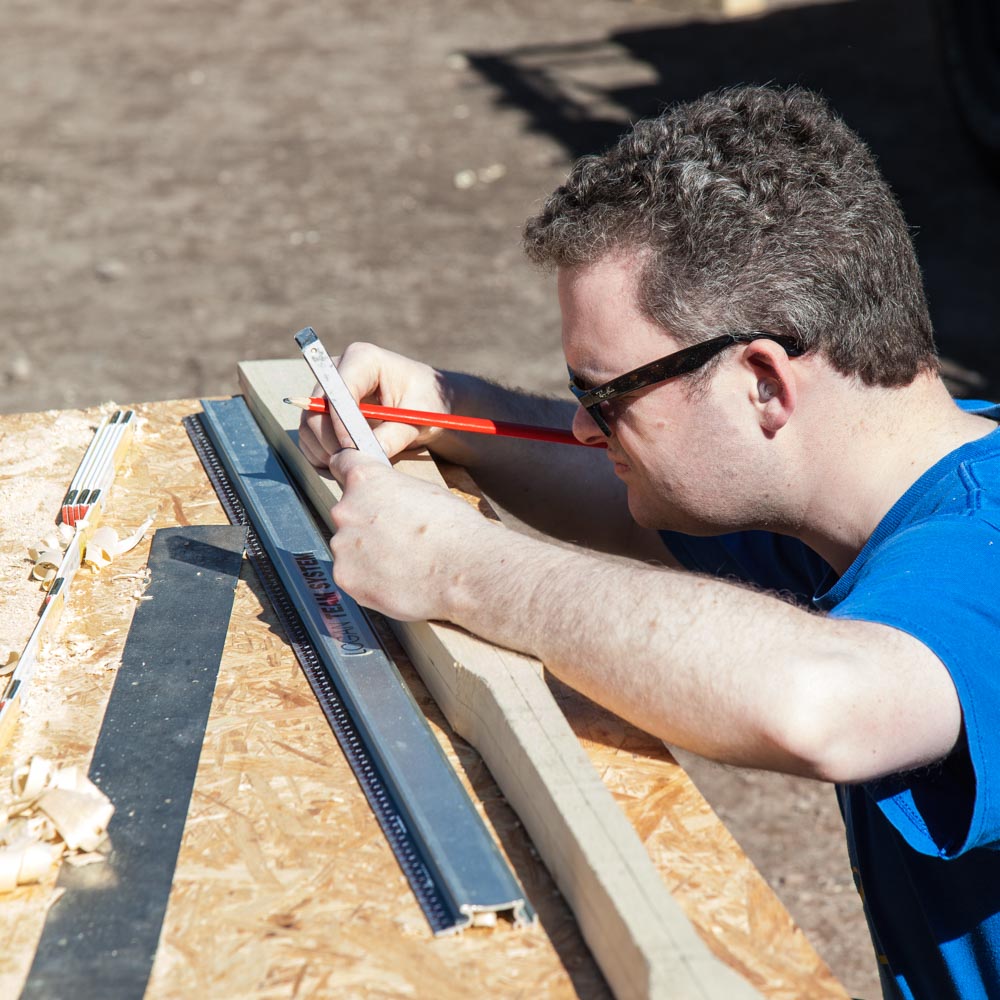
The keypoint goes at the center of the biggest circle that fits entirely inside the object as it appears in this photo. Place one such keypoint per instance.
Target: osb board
(285, 885)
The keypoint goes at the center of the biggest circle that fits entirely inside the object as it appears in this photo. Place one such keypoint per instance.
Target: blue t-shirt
(925, 845)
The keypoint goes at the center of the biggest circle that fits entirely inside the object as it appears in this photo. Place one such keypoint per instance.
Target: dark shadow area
(879, 62)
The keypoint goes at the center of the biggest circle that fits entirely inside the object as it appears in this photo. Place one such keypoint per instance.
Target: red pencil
(451, 421)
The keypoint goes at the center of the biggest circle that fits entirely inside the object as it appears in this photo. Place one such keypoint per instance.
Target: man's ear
(773, 390)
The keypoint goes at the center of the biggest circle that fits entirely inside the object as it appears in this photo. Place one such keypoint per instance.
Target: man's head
(752, 209)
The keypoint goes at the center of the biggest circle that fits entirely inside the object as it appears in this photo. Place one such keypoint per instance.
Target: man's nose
(585, 429)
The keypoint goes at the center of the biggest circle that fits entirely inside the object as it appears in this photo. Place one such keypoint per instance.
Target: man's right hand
(566, 492)
(375, 375)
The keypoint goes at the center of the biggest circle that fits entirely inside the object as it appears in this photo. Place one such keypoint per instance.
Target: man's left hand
(396, 543)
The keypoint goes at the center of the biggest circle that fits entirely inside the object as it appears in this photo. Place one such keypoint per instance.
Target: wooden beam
(498, 700)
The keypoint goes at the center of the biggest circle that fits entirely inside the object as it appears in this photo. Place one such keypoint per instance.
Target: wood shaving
(54, 811)
(105, 545)
(48, 553)
(88, 858)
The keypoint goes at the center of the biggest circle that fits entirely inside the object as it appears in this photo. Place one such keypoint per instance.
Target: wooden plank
(499, 701)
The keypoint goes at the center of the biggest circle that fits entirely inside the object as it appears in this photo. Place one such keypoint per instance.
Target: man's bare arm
(563, 491)
(737, 676)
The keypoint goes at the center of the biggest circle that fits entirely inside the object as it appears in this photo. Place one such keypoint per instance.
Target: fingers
(395, 438)
(374, 374)
(319, 435)
(309, 444)
(365, 370)
(329, 429)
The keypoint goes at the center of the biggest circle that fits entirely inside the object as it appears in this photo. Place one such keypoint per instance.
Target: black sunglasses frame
(670, 366)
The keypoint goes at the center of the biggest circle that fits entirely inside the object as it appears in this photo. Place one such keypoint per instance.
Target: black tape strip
(101, 936)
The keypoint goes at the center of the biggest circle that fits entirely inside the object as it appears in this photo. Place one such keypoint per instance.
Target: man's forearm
(732, 674)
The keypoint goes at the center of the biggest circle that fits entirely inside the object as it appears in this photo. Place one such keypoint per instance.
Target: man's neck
(877, 447)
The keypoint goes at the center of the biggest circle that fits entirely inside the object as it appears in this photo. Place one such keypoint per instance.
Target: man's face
(681, 454)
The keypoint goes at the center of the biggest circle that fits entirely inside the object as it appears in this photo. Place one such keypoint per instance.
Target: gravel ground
(183, 185)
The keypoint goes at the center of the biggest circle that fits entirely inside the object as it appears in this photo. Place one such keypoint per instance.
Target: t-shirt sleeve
(940, 582)
(772, 562)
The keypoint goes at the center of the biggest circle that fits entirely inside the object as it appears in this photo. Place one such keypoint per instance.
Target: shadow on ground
(880, 65)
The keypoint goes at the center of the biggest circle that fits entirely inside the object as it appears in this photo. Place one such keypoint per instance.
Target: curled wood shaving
(8, 661)
(80, 817)
(54, 811)
(48, 553)
(105, 545)
(24, 863)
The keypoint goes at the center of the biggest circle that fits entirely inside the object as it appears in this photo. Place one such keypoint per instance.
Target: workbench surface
(285, 885)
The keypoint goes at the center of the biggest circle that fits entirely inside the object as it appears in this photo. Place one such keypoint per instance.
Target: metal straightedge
(442, 844)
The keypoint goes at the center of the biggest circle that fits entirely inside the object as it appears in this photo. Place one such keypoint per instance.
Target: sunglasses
(595, 400)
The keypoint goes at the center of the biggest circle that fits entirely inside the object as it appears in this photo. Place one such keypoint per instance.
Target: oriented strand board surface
(285, 886)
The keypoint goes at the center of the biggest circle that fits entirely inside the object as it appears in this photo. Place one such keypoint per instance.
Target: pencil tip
(287, 400)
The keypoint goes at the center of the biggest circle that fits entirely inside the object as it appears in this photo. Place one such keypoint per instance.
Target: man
(782, 430)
